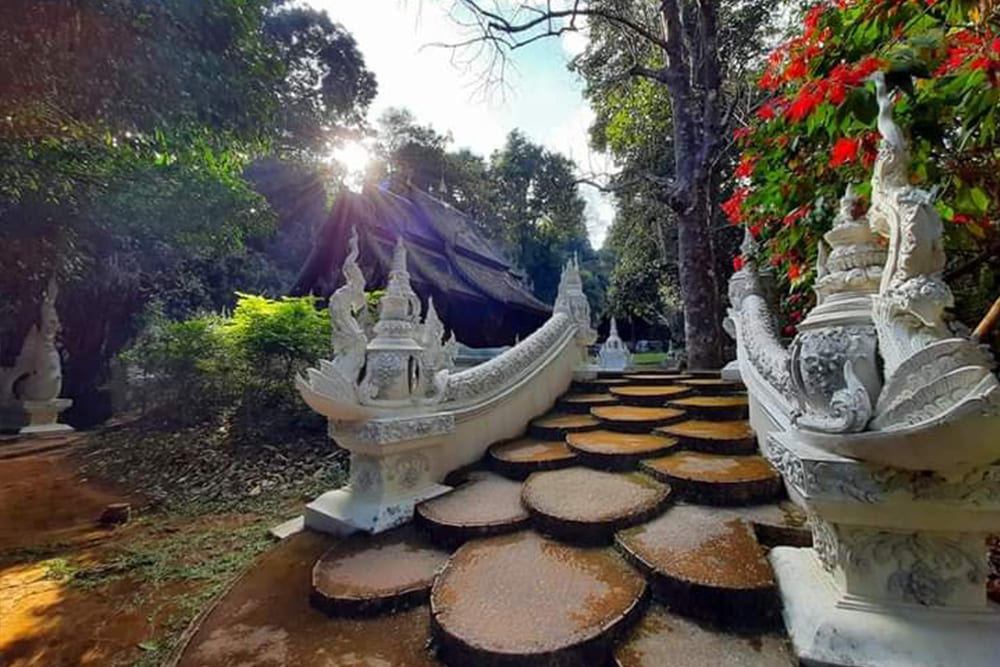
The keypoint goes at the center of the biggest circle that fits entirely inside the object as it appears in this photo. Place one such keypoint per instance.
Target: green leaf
(980, 200)
(149, 645)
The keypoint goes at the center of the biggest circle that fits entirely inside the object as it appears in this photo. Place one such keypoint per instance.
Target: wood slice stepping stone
(584, 505)
(525, 600)
(662, 639)
(523, 456)
(557, 425)
(584, 402)
(716, 408)
(373, 574)
(633, 419)
(650, 395)
(713, 437)
(716, 479)
(704, 566)
(713, 386)
(614, 450)
(656, 378)
(489, 505)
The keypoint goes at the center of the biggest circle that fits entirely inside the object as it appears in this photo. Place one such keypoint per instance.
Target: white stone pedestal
(830, 628)
(345, 511)
(34, 418)
(393, 468)
(898, 569)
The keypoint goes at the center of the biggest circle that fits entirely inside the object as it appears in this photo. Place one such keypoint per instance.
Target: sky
(543, 98)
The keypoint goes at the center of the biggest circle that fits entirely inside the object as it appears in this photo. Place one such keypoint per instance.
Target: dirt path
(73, 593)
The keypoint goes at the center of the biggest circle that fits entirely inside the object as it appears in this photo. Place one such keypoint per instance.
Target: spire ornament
(393, 356)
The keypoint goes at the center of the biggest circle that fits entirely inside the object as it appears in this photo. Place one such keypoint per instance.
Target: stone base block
(829, 629)
(34, 418)
(345, 511)
(731, 372)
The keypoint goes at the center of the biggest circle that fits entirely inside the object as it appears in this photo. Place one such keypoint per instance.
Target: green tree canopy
(124, 146)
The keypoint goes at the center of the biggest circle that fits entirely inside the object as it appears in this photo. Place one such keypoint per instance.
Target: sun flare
(354, 157)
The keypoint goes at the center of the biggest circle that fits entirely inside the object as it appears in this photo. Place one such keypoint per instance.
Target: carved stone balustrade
(886, 429)
(407, 418)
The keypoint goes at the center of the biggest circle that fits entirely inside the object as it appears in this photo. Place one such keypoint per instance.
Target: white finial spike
(399, 256)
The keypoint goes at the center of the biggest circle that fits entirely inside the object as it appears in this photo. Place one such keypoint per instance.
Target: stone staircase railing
(886, 429)
(393, 399)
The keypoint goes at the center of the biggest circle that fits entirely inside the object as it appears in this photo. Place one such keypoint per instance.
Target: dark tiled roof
(446, 257)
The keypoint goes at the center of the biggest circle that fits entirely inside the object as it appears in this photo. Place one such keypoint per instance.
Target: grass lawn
(648, 358)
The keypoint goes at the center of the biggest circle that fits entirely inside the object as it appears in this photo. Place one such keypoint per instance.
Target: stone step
(717, 479)
(521, 457)
(779, 524)
(714, 408)
(614, 450)
(713, 437)
(662, 639)
(599, 385)
(656, 378)
(525, 600)
(557, 425)
(582, 403)
(713, 386)
(632, 419)
(705, 566)
(365, 575)
(704, 373)
(585, 505)
(489, 505)
(649, 395)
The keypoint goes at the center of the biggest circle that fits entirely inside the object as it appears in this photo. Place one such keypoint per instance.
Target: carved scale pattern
(487, 378)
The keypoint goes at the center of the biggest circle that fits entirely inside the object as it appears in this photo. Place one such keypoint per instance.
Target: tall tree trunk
(699, 288)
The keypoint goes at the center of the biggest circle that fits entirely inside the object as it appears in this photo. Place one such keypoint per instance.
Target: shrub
(240, 366)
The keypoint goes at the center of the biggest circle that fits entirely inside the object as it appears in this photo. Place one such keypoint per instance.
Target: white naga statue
(875, 354)
(401, 366)
(885, 427)
(29, 390)
(37, 373)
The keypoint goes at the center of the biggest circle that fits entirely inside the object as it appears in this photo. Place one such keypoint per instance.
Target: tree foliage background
(668, 79)
(125, 146)
(523, 197)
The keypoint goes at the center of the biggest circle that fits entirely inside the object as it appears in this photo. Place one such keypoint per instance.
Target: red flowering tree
(815, 131)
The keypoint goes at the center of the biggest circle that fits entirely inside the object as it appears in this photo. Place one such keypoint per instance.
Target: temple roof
(475, 289)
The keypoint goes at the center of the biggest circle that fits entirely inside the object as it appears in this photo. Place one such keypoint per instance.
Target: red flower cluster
(733, 208)
(746, 166)
(796, 215)
(738, 263)
(844, 150)
(978, 51)
(742, 132)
